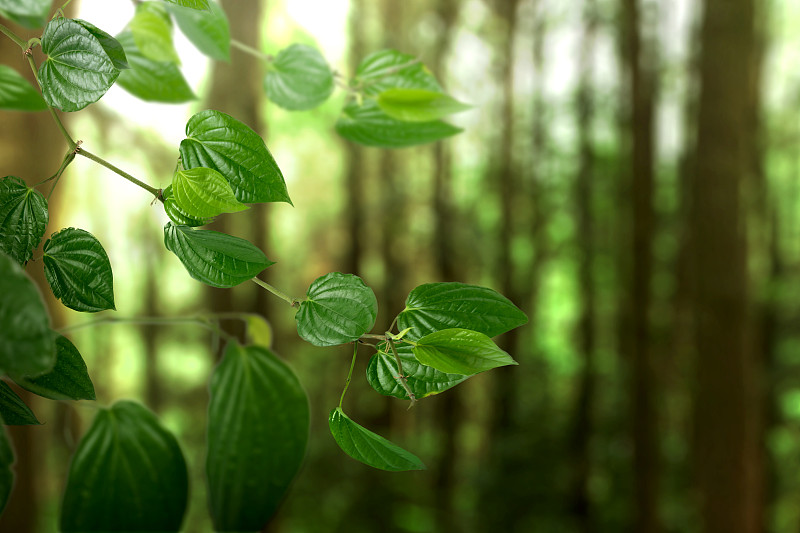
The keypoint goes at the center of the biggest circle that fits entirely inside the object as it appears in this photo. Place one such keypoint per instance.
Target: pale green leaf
(203, 193)
(207, 30)
(299, 78)
(390, 69)
(418, 105)
(176, 214)
(153, 81)
(17, 94)
(460, 351)
(28, 13)
(151, 27)
(194, 4)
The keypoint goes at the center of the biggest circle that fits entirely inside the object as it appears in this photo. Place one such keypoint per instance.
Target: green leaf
(177, 214)
(339, 308)
(6, 461)
(194, 4)
(13, 410)
(460, 351)
(111, 46)
(27, 345)
(435, 306)
(259, 330)
(17, 94)
(23, 218)
(299, 78)
(68, 380)
(153, 81)
(423, 381)
(258, 424)
(78, 270)
(203, 193)
(215, 258)
(128, 474)
(28, 13)
(207, 30)
(80, 68)
(418, 105)
(390, 69)
(219, 141)
(152, 32)
(368, 447)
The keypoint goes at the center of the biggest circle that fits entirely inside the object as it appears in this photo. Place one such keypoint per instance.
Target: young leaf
(339, 308)
(80, 67)
(299, 78)
(28, 13)
(390, 69)
(177, 214)
(367, 124)
(423, 381)
(152, 32)
(418, 105)
(203, 193)
(6, 461)
(207, 30)
(78, 270)
(128, 474)
(368, 447)
(194, 4)
(435, 306)
(13, 410)
(17, 94)
(23, 218)
(68, 380)
(259, 331)
(460, 351)
(258, 423)
(218, 141)
(27, 344)
(153, 81)
(215, 258)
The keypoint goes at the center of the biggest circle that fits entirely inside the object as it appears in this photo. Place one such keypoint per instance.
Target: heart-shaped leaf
(151, 27)
(6, 474)
(153, 81)
(207, 30)
(338, 309)
(219, 141)
(418, 105)
(128, 474)
(460, 351)
(299, 78)
(28, 13)
(370, 448)
(258, 423)
(17, 94)
(68, 380)
(203, 193)
(215, 258)
(390, 69)
(23, 218)
(194, 4)
(177, 214)
(382, 374)
(13, 410)
(78, 270)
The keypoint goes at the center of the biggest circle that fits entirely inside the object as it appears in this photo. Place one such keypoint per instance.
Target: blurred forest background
(629, 177)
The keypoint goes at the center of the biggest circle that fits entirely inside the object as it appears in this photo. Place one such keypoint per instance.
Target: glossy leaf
(6, 461)
(68, 380)
(367, 124)
(418, 105)
(177, 214)
(382, 374)
(78, 270)
(27, 345)
(13, 410)
(153, 81)
(460, 351)
(23, 218)
(390, 69)
(28, 13)
(17, 94)
(215, 258)
(203, 193)
(299, 78)
(194, 4)
(83, 62)
(128, 474)
(435, 306)
(338, 309)
(218, 141)
(368, 447)
(258, 424)
(151, 27)
(208, 30)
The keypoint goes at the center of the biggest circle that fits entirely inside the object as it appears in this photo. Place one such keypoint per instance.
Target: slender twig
(152, 190)
(252, 51)
(11, 35)
(349, 374)
(280, 294)
(199, 320)
(400, 376)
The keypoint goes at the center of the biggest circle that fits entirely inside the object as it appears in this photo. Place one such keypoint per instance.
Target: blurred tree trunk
(727, 454)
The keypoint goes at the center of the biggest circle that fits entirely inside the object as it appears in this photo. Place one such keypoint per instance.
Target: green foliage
(13, 410)
(68, 380)
(194, 4)
(151, 28)
(299, 78)
(204, 193)
(154, 81)
(23, 218)
(382, 374)
(17, 94)
(177, 214)
(28, 13)
(460, 351)
(418, 105)
(207, 30)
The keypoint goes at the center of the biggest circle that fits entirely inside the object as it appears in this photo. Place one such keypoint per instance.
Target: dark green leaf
(194, 4)
(77, 268)
(219, 141)
(204, 193)
(418, 105)
(423, 380)
(27, 345)
(68, 380)
(178, 215)
(13, 410)
(6, 461)
(153, 81)
(215, 258)
(152, 32)
(367, 124)
(299, 78)
(369, 448)
(79, 69)
(390, 69)
(207, 30)
(17, 94)
(23, 218)
(111, 46)
(460, 351)
(434, 306)
(339, 308)
(258, 422)
(128, 474)
(28, 13)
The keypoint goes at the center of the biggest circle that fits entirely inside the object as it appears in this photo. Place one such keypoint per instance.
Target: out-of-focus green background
(572, 191)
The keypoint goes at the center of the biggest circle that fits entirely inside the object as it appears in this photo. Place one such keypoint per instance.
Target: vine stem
(11, 35)
(349, 374)
(280, 294)
(400, 375)
(152, 190)
(252, 51)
